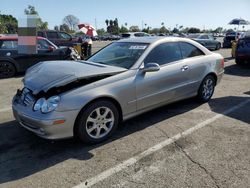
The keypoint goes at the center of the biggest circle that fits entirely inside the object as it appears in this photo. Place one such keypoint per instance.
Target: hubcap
(100, 122)
(208, 89)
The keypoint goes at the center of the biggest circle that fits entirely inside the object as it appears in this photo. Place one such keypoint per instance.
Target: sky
(208, 14)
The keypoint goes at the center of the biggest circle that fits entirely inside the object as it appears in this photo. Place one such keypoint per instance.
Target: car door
(194, 58)
(167, 84)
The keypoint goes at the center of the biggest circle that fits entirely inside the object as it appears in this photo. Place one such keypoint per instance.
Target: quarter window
(189, 50)
(164, 53)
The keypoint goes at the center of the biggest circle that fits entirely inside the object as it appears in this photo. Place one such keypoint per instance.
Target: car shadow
(22, 153)
(228, 58)
(237, 70)
(220, 105)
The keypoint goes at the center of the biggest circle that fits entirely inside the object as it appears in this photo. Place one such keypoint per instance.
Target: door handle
(184, 68)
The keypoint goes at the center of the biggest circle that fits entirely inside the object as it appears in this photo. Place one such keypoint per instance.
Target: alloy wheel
(100, 122)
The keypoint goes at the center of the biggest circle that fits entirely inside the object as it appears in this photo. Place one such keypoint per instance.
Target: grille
(26, 97)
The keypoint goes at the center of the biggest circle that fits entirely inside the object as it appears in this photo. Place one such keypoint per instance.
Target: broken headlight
(46, 105)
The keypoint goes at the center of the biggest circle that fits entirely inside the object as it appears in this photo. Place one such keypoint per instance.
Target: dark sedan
(242, 53)
(206, 40)
(12, 62)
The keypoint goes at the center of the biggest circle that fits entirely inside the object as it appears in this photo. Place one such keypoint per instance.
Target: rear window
(8, 44)
(125, 35)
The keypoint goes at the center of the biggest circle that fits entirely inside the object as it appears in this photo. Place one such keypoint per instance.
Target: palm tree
(111, 22)
(107, 22)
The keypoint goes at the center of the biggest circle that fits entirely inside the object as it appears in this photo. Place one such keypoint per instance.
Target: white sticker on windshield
(137, 47)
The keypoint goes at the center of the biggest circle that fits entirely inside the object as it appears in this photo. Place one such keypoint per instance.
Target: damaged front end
(47, 101)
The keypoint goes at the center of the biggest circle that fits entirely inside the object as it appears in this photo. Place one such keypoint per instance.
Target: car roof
(153, 39)
(15, 37)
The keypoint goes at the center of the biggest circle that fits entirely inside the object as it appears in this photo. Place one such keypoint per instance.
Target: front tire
(97, 122)
(7, 69)
(206, 89)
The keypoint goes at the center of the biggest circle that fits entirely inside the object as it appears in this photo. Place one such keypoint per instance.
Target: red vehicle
(12, 62)
(64, 39)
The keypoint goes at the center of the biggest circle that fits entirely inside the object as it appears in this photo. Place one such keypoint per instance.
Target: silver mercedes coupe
(88, 99)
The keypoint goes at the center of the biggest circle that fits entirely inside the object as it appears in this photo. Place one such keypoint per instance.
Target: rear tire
(206, 89)
(97, 122)
(7, 69)
(218, 46)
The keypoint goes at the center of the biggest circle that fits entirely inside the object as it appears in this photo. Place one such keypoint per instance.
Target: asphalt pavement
(185, 144)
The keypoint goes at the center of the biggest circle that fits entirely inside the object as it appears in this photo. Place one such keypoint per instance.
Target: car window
(8, 44)
(125, 35)
(52, 35)
(164, 53)
(189, 50)
(42, 44)
(203, 37)
(211, 37)
(121, 54)
(64, 36)
(139, 34)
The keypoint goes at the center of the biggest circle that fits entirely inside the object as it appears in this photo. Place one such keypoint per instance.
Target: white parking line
(5, 109)
(125, 164)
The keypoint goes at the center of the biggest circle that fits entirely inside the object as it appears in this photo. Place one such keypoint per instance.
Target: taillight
(222, 63)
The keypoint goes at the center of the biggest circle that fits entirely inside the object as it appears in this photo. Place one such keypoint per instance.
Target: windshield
(120, 54)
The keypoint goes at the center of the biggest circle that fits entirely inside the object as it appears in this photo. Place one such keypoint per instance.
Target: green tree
(194, 30)
(123, 29)
(101, 31)
(107, 22)
(8, 24)
(164, 30)
(134, 28)
(32, 11)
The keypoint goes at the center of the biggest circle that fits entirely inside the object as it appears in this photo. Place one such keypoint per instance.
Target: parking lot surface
(185, 144)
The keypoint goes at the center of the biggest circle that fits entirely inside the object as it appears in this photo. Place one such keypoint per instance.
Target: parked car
(12, 62)
(134, 35)
(206, 40)
(242, 52)
(227, 40)
(64, 39)
(88, 99)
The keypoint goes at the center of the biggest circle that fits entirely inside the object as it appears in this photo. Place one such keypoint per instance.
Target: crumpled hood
(46, 75)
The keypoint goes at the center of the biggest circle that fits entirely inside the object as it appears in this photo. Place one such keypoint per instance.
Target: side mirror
(151, 67)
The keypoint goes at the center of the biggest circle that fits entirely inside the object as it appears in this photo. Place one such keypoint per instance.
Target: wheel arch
(213, 75)
(13, 62)
(103, 98)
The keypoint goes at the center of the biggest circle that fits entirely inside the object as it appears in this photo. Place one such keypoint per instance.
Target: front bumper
(44, 125)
